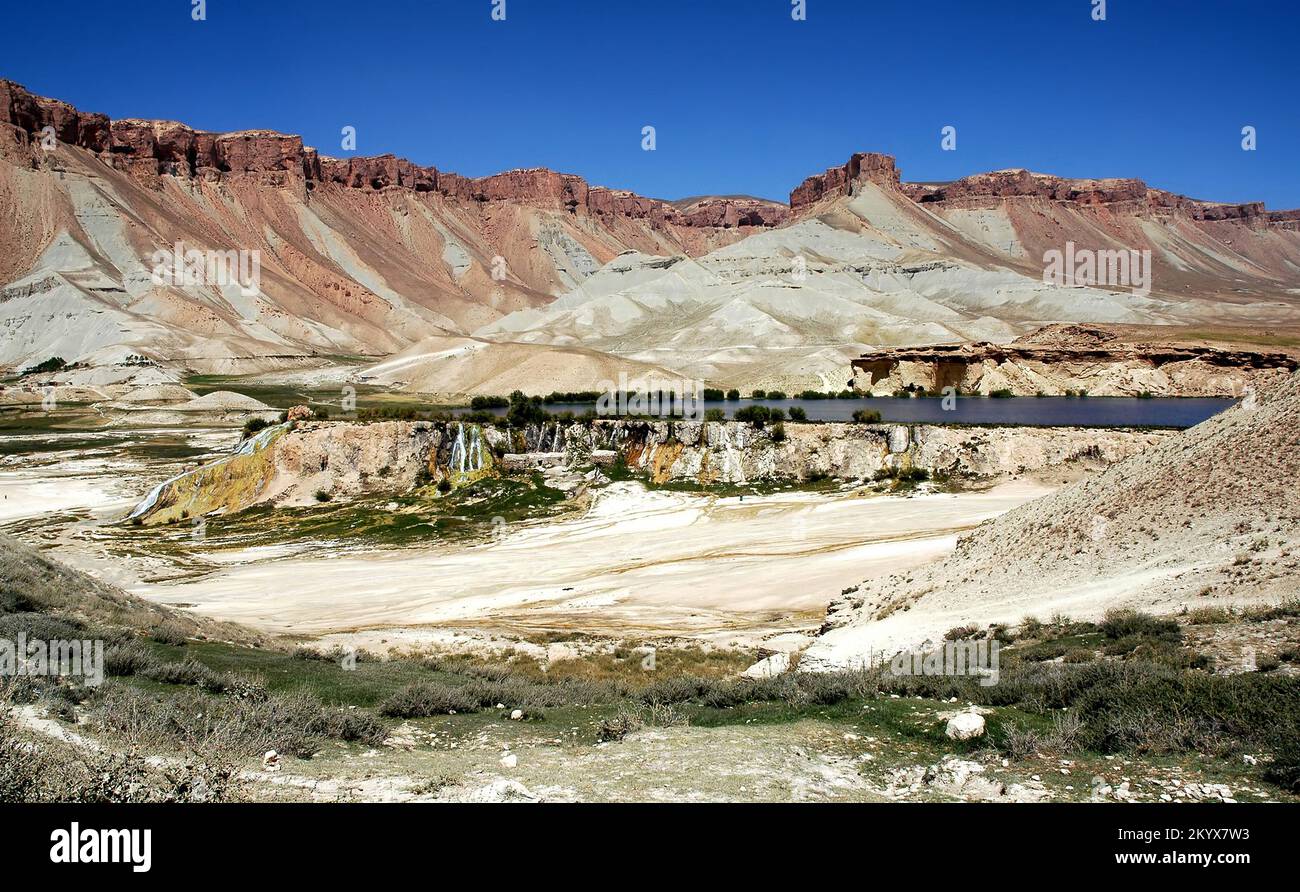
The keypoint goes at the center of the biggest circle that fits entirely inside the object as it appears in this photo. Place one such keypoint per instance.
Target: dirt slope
(1208, 517)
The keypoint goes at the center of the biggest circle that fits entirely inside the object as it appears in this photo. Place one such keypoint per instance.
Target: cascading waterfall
(731, 470)
(467, 460)
(476, 449)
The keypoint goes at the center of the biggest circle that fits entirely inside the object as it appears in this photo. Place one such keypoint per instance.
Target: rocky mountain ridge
(148, 149)
(465, 279)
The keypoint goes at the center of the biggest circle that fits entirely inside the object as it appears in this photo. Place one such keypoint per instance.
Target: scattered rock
(776, 664)
(965, 726)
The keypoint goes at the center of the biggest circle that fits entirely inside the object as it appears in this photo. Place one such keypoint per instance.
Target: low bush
(428, 698)
(1205, 616)
(169, 633)
(622, 723)
(1122, 623)
(291, 723)
(130, 658)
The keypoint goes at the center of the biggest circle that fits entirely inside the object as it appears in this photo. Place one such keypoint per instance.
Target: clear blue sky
(744, 99)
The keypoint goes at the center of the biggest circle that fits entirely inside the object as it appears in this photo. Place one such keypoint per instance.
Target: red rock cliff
(863, 166)
(1123, 195)
(148, 149)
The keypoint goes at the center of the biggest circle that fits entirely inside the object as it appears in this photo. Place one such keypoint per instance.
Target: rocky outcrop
(1075, 358)
(733, 452)
(32, 114)
(837, 181)
(1119, 195)
(294, 464)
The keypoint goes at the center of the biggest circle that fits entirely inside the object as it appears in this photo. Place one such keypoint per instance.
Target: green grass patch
(367, 684)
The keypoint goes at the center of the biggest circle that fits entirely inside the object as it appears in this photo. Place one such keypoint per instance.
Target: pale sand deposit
(652, 563)
(25, 495)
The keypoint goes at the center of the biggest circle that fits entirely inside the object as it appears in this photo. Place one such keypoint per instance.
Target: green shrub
(351, 725)
(525, 410)
(185, 672)
(169, 633)
(426, 698)
(1284, 770)
(866, 416)
(1267, 663)
(1204, 616)
(53, 364)
(41, 626)
(486, 403)
(1122, 623)
(130, 658)
(253, 425)
(1137, 706)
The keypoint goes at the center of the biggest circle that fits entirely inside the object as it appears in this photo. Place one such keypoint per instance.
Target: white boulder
(965, 726)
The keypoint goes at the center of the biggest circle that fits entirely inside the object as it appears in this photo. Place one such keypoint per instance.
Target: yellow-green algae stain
(227, 484)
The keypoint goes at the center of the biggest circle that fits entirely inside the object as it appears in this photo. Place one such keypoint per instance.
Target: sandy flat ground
(101, 480)
(637, 561)
(31, 493)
